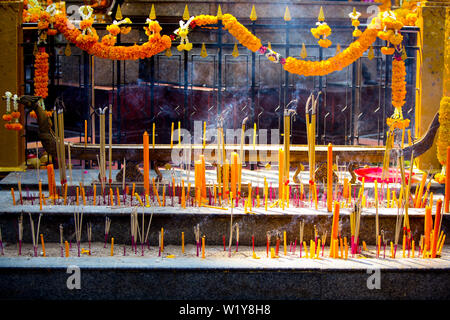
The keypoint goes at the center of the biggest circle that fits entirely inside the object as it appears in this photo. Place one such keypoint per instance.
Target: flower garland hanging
(391, 32)
(355, 22)
(12, 117)
(398, 86)
(41, 73)
(322, 31)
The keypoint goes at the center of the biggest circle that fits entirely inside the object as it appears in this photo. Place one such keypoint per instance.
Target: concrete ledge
(193, 279)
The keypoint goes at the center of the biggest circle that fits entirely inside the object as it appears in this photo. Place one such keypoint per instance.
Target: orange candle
(234, 168)
(112, 247)
(164, 196)
(111, 197)
(427, 226)
(85, 133)
(203, 247)
(335, 225)
(153, 135)
(43, 244)
(437, 220)
(67, 248)
(330, 178)
(280, 174)
(203, 177)
(118, 196)
(447, 182)
(418, 199)
(183, 195)
(182, 242)
(225, 179)
(155, 192)
(146, 164)
(65, 193)
(13, 196)
(94, 196)
(78, 196)
(162, 239)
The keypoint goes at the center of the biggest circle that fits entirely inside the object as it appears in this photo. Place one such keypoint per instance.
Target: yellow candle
(318, 249)
(284, 242)
(164, 196)
(78, 195)
(112, 247)
(312, 249)
(139, 199)
(254, 135)
(204, 134)
(182, 242)
(330, 178)
(234, 168)
(392, 250)
(111, 197)
(179, 132)
(345, 190)
(306, 249)
(171, 136)
(413, 247)
(153, 136)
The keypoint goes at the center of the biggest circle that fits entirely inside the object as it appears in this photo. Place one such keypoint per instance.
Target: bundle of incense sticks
(78, 220)
(107, 226)
(102, 161)
(135, 230)
(89, 235)
(148, 227)
(197, 237)
(20, 233)
(61, 245)
(34, 236)
(62, 152)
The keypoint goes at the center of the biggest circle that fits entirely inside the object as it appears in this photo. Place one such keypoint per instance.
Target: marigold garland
(41, 74)
(105, 49)
(398, 83)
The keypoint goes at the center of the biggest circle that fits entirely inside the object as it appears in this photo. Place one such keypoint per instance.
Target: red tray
(374, 173)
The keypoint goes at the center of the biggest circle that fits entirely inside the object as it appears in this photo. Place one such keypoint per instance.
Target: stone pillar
(430, 71)
(11, 65)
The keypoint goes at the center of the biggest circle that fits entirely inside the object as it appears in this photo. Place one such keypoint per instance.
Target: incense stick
(34, 235)
(107, 226)
(20, 231)
(78, 220)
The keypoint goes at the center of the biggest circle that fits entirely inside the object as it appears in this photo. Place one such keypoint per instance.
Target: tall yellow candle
(234, 168)
(146, 164)
(204, 134)
(284, 243)
(171, 136)
(330, 178)
(179, 132)
(118, 196)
